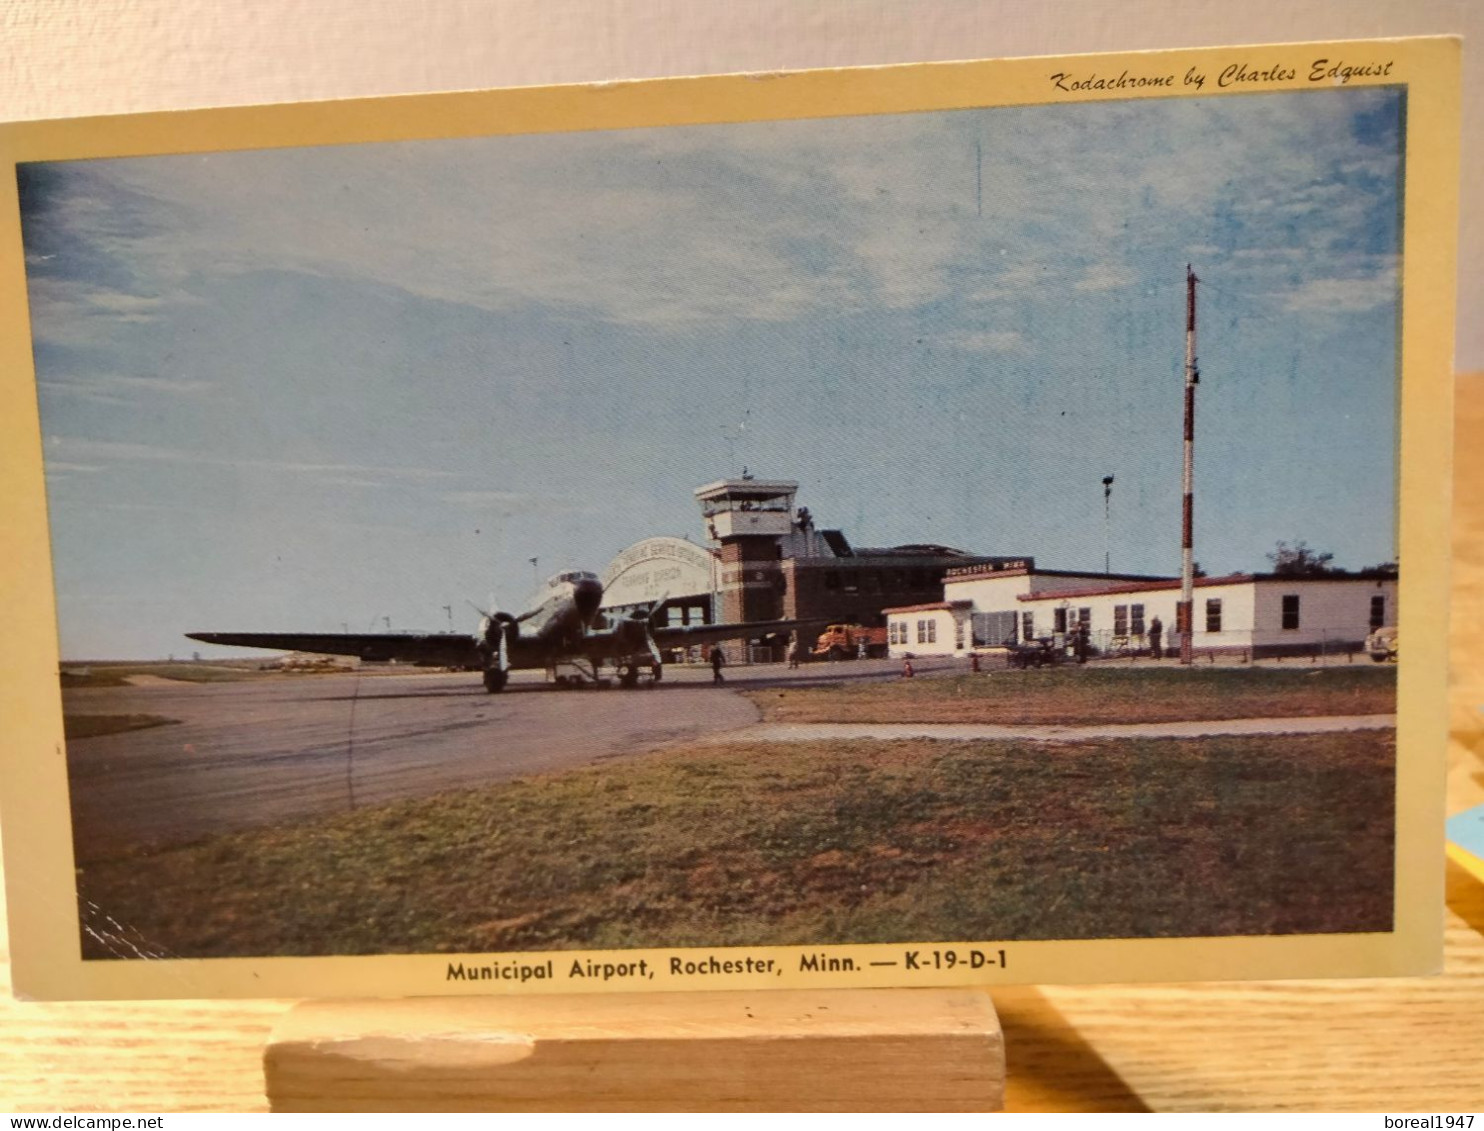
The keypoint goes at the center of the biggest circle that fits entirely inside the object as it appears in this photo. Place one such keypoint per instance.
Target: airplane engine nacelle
(492, 627)
(637, 638)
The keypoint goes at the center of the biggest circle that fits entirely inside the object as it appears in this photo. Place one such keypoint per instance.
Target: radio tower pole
(1184, 620)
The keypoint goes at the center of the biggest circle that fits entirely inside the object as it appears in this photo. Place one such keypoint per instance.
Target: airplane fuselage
(565, 609)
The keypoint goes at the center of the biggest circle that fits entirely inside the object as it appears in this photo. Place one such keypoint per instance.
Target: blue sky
(307, 389)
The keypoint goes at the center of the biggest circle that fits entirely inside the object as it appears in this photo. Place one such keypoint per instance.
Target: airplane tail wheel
(628, 677)
(495, 679)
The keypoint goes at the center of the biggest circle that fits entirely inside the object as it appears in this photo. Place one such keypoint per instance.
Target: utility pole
(1184, 618)
(1107, 523)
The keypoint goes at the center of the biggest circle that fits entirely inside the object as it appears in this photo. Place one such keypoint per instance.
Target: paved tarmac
(267, 750)
(263, 751)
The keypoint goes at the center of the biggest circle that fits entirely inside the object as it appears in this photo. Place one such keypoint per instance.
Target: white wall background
(63, 58)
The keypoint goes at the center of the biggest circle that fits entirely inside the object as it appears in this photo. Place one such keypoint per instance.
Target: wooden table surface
(1391, 1045)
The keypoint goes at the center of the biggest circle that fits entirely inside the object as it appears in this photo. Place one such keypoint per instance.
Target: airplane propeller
(494, 637)
(646, 617)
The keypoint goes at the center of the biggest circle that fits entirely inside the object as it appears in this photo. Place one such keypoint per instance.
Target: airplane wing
(433, 649)
(682, 636)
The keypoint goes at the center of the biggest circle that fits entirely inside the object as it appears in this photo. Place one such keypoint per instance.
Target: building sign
(655, 568)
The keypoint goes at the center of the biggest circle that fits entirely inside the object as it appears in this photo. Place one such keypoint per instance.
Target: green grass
(802, 844)
(112, 673)
(1091, 695)
(93, 726)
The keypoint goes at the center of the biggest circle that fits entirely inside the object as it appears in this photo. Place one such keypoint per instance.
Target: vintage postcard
(905, 526)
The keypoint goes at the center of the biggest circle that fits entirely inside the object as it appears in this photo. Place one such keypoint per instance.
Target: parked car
(1381, 645)
(1041, 653)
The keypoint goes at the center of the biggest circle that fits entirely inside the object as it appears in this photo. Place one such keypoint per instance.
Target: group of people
(1078, 638)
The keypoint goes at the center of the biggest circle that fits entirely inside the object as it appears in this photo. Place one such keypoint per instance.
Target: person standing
(1156, 638)
(717, 660)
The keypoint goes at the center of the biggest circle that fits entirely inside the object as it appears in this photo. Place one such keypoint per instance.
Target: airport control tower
(751, 519)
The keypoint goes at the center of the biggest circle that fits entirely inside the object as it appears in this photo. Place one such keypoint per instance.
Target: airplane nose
(589, 595)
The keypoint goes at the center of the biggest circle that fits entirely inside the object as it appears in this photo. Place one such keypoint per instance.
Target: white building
(1248, 614)
(943, 628)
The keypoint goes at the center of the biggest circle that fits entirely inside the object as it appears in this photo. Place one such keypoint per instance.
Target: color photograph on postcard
(742, 546)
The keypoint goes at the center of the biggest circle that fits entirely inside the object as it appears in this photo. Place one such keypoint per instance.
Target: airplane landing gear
(576, 675)
(495, 680)
(628, 674)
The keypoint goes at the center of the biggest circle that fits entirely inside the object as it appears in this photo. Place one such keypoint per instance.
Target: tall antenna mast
(1184, 620)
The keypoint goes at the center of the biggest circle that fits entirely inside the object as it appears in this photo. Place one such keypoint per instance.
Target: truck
(849, 641)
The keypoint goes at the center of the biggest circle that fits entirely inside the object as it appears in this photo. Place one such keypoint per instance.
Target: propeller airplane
(566, 628)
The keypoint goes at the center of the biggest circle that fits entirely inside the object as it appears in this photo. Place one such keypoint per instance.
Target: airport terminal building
(1247, 614)
(764, 559)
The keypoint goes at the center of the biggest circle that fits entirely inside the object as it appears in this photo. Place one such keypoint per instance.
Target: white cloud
(989, 341)
(1104, 277)
(763, 222)
(63, 467)
(1344, 296)
(116, 450)
(521, 502)
(118, 388)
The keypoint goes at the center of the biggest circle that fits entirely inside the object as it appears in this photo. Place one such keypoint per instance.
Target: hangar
(675, 569)
(1251, 615)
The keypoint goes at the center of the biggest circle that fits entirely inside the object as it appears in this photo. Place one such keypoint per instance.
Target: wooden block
(831, 1050)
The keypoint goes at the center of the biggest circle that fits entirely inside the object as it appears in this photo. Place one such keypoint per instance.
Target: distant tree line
(1299, 560)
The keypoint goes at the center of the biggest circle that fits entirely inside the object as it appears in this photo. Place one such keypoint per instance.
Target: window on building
(1084, 616)
(1120, 620)
(959, 624)
(1027, 626)
(1136, 619)
(993, 628)
(1378, 611)
(932, 631)
(1059, 620)
(1213, 614)
(1290, 610)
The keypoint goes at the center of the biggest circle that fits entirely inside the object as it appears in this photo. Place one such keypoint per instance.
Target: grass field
(116, 673)
(800, 844)
(1092, 695)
